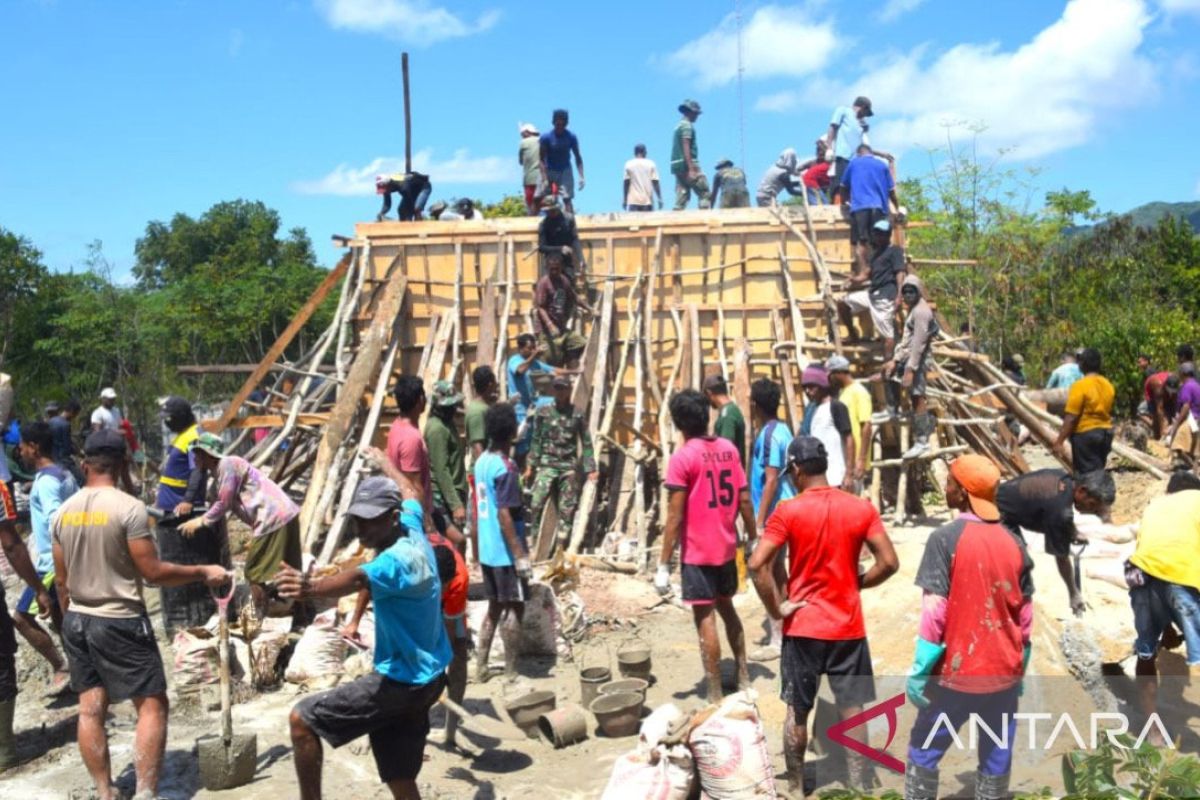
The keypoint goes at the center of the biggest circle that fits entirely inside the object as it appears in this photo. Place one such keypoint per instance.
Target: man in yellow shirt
(1087, 422)
(857, 399)
(1164, 580)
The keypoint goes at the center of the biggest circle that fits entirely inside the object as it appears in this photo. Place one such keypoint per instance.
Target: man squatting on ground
(103, 552)
(973, 643)
(824, 530)
(708, 490)
(390, 705)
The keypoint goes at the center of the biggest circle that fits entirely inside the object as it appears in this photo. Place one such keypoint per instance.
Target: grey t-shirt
(884, 267)
(93, 528)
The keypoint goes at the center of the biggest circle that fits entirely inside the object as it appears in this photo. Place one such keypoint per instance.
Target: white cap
(528, 127)
(108, 393)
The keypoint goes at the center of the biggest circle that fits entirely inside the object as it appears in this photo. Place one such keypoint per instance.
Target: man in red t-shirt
(973, 640)
(708, 490)
(824, 530)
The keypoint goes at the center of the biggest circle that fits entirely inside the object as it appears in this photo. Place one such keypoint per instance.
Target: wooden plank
(697, 370)
(786, 377)
(273, 355)
(485, 349)
(277, 421)
(741, 384)
(340, 418)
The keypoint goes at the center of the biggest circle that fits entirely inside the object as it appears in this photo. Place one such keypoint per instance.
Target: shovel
(226, 761)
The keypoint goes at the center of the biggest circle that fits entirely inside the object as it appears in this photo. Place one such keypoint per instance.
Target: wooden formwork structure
(677, 296)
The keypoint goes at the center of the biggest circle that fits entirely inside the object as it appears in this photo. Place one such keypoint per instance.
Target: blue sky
(118, 113)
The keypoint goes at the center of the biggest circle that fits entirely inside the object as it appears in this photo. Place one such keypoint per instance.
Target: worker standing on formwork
(781, 176)
(641, 186)
(557, 146)
(685, 160)
(529, 157)
(973, 643)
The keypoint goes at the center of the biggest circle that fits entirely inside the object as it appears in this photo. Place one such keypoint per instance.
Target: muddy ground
(624, 605)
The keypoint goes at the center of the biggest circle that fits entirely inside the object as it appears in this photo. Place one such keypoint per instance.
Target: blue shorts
(27, 603)
(1158, 604)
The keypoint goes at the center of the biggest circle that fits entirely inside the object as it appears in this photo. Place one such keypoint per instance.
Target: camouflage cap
(444, 394)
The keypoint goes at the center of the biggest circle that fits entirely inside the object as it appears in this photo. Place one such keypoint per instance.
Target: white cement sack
(731, 753)
(661, 774)
(320, 652)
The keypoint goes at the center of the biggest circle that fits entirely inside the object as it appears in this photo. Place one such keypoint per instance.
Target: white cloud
(894, 9)
(346, 180)
(1047, 95)
(787, 100)
(776, 42)
(411, 21)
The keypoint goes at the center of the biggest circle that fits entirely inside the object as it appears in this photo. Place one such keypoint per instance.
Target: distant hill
(1149, 214)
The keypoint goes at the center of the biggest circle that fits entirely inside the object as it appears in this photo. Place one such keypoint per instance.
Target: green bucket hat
(210, 443)
(444, 394)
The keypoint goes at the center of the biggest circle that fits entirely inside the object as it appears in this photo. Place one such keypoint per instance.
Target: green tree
(510, 205)
(21, 274)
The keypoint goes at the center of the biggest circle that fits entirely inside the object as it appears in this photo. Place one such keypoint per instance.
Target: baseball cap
(561, 382)
(375, 496)
(52, 408)
(1187, 368)
(444, 394)
(883, 225)
(806, 448)
(865, 104)
(174, 406)
(979, 478)
(814, 376)
(104, 443)
(689, 105)
(108, 393)
(209, 443)
(837, 364)
(528, 127)
(715, 383)
(549, 201)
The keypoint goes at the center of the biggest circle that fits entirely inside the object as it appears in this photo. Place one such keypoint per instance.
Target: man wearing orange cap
(973, 640)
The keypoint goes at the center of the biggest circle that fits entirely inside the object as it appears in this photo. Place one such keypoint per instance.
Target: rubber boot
(920, 783)
(8, 739)
(991, 787)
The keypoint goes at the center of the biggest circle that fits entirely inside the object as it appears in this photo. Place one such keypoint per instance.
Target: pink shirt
(254, 499)
(710, 470)
(406, 450)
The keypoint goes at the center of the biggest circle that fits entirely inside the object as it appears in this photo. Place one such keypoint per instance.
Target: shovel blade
(227, 766)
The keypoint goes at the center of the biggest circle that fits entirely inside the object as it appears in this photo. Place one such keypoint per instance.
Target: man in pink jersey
(708, 490)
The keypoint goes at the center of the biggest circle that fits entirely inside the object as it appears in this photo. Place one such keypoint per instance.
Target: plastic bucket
(525, 710)
(564, 726)
(618, 714)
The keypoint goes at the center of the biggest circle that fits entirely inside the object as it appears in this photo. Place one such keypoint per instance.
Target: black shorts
(117, 653)
(703, 584)
(1089, 450)
(846, 662)
(503, 585)
(395, 715)
(861, 223)
(835, 178)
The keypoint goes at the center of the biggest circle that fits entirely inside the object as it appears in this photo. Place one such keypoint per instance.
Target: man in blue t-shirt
(869, 183)
(503, 551)
(770, 484)
(412, 651)
(557, 146)
(521, 367)
(51, 486)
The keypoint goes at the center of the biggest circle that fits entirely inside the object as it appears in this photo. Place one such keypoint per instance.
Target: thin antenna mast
(737, 13)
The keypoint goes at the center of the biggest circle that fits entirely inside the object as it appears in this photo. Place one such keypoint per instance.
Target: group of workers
(844, 169)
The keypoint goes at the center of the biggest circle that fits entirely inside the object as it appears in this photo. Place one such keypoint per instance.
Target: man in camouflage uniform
(559, 433)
